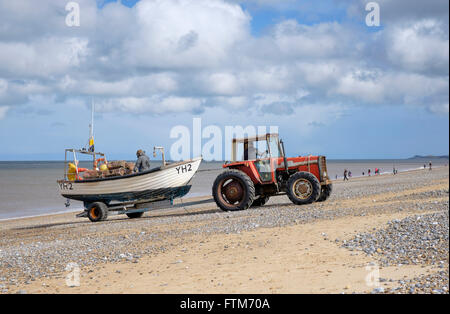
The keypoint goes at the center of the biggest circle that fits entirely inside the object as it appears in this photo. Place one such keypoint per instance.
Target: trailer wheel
(303, 188)
(325, 192)
(135, 215)
(97, 211)
(233, 190)
(260, 201)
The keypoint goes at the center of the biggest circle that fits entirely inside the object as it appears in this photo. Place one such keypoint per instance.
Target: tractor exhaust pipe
(284, 157)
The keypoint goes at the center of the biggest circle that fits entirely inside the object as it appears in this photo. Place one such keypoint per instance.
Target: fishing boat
(167, 181)
(131, 193)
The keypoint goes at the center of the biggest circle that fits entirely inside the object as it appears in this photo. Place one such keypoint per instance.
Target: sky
(332, 84)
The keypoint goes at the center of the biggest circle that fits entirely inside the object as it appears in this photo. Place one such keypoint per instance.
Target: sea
(28, 188)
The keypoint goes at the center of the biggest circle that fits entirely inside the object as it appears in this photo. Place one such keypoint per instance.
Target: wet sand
(278, 248)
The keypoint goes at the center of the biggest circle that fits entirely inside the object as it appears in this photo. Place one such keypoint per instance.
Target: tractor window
(254, 150)
(274, 147)
(262, 151)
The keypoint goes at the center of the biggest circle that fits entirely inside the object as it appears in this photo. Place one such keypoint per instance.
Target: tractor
(262, 170)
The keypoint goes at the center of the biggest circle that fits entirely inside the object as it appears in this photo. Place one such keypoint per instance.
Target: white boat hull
(167, 182)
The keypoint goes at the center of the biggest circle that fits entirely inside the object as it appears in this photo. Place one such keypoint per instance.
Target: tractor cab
(256, 147)
(262, 151)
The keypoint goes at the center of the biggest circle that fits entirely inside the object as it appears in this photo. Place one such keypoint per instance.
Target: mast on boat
(91, 129)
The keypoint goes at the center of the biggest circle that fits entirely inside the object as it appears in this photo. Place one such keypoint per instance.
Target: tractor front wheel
(233, 190)
(303, 188)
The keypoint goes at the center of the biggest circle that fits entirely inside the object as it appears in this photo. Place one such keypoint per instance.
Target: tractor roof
(255, 138)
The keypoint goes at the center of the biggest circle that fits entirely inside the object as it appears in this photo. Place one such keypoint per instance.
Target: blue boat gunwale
(146, 195)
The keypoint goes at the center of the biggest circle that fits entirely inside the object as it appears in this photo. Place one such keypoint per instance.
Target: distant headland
(429, 157)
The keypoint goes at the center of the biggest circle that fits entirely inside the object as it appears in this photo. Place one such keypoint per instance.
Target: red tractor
(265, 171)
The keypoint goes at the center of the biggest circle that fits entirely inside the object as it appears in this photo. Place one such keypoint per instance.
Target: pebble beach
(395, 225)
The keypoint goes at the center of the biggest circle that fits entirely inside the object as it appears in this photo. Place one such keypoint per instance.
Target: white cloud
(377, 87)
(166, 56)
(233, 103)
(440, 109)
(150, 105)
(400, 11)
(42, 58)
(321, 40)
(358, 86)
(422, 46)
(311, 117)
(185, 33)
(223, 83)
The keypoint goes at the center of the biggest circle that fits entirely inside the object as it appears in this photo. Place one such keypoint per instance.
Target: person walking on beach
(143, 162)
(345, 175)
(368, 172)
(430, 165)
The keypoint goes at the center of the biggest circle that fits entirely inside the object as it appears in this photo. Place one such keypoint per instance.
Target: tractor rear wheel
(97, 211)
(260, 201)
(303, 188)
(325, 192)
(233, 190)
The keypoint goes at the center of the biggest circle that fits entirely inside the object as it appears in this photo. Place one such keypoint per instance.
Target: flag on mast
(91, 129)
